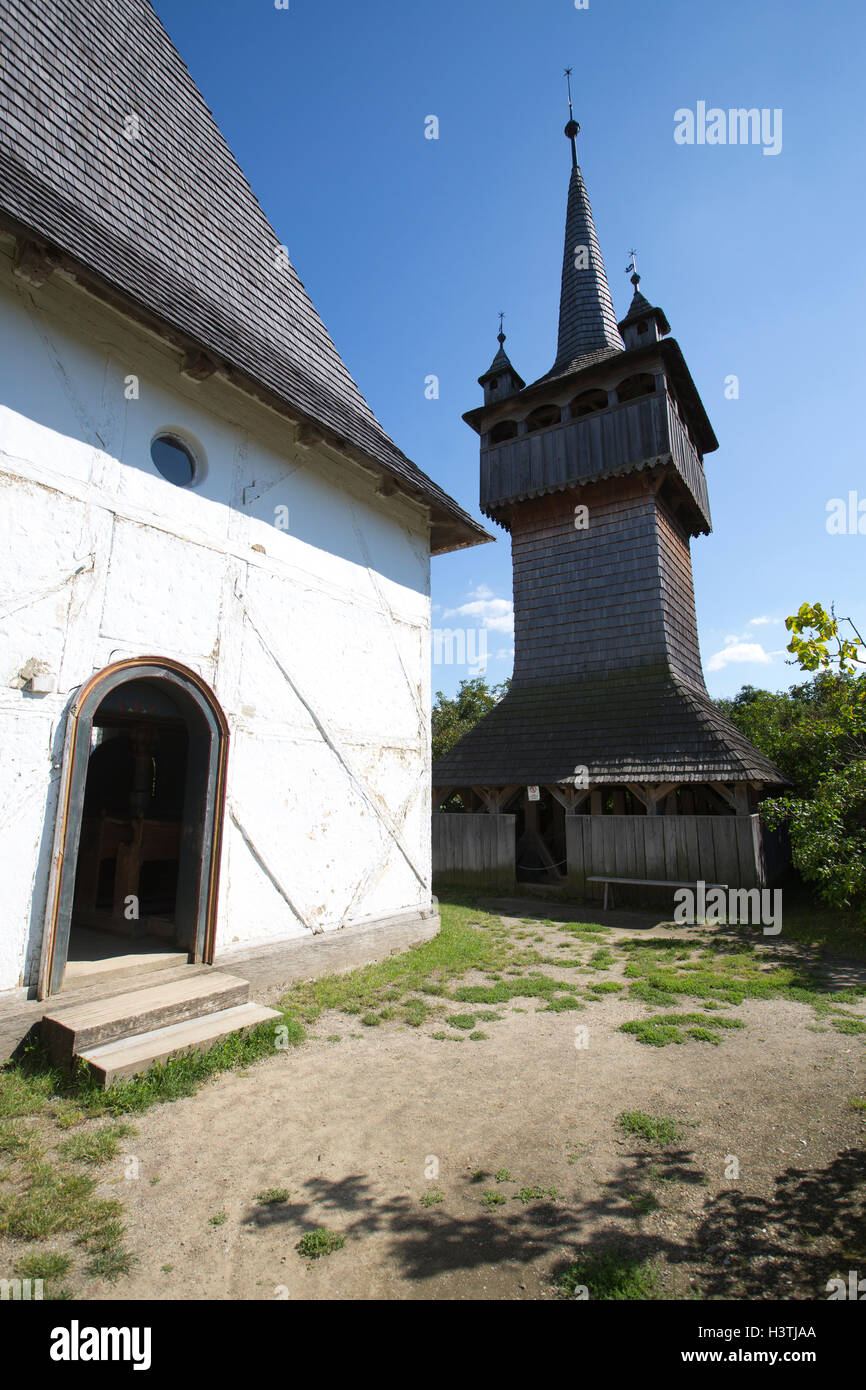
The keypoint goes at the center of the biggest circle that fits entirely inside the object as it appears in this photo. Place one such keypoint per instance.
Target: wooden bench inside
(608, 879)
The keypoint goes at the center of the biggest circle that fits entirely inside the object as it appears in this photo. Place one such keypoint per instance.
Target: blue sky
(409, 247)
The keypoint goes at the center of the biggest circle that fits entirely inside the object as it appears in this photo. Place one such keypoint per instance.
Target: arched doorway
(139, 818)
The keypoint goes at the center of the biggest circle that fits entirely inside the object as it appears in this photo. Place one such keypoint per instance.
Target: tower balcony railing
(632, 435)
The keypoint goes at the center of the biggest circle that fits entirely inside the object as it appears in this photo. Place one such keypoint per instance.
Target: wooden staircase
(127, 1033)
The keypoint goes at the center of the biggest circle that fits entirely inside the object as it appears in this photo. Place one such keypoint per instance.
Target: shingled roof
(587, 322)
(635, 726)
(110, 156)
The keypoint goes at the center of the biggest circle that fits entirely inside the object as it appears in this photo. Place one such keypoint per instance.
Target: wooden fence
(473, 850)
(736, 850)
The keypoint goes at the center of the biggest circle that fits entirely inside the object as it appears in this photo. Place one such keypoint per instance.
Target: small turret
(500, 379)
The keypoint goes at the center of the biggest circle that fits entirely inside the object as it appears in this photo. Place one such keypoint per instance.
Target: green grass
(848, 1025)
(320, 1242)
(661, 1029)
(272, 1196)
(33, 1086)
(503, 1175)
(44, 1264)
(433, 1197)
(469, 940)
(219, 1218)
(535, 1194)
(48, 1200)
(492, 1199)
(464, 1021)
(562, 1003)
(642, 1203)
(611, 1276)
(653, 1129)
(530, 987)
(98, 1146)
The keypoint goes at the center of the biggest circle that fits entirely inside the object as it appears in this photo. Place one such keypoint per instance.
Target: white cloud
(495, 614)
(737, 652)
(763, 622)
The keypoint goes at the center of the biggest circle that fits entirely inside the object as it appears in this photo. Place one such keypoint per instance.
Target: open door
(139, 818)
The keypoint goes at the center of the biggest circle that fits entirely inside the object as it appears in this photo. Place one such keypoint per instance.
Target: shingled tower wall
(597, 471)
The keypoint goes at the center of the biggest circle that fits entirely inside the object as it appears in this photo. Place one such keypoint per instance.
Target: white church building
(214, 562)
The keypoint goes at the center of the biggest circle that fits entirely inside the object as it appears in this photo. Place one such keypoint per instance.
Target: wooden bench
(608, 879)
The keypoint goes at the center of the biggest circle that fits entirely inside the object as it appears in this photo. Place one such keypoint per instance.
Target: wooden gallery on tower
(607, 756)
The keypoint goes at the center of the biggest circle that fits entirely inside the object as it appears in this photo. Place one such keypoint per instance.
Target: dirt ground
(360, 1123)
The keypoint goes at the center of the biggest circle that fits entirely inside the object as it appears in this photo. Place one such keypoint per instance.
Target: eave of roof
(596, 370)
(641, 725)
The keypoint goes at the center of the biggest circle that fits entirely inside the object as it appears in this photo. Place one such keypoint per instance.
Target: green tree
(452, 718)
(817, 736)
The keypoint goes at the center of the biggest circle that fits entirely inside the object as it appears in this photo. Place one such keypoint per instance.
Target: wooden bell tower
(597, 472)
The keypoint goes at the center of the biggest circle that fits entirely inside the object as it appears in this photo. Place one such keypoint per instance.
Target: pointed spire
(638, 304)
(642, 318)
(587, 323)
(505, 380)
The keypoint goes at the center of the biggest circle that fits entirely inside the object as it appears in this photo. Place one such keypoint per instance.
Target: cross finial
(632, 267)
(501, 334)
(572, 128)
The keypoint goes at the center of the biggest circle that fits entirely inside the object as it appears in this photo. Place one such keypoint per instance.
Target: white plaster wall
(315, 640)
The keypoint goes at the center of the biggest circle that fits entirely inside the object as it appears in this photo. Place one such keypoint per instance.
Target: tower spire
(587, 323)
(572, 128)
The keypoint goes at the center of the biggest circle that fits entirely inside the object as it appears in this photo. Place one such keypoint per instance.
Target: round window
(174, 459)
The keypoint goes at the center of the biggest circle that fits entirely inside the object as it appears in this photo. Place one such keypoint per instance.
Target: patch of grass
(607, 987)
(477, 1035)
(446, 1037)
(24, 1091)
(857, 1103)
(111, 1264)
(433, 1197)
(320, 1242)
(531, 987)
(273, 1196)
(562, 1003)
(51, 1201)
(609, 1276)
(464, 1021)
(651, 1032)
(603, 959)
(503, 1175)
(653, 1129)
(651, 994)
(467, 941)
(416, 1012)
(492, 1199)
(48, 1264)
(371, 1020)
(98, 1146)
(704, 1035)
(848, 1025)
(642, 1203)
(535, 1194)
(18, 1141)
(218, 1219)
(661, 1029)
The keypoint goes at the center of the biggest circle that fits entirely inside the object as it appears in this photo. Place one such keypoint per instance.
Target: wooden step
(75, 1029)
(129, 1056)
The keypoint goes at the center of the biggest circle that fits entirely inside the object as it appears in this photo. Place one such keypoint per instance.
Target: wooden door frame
(203, 821)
